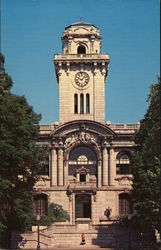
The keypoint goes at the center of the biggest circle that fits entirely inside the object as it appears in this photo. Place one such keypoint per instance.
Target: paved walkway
(76, 248)
(87, 248)
(80, 248)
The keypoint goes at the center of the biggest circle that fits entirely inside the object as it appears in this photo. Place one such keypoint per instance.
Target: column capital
(111, 145)
(105, 145)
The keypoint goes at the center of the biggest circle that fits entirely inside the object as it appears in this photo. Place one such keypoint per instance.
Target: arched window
(40, 204)
(123, 163)
(87, 103)
(82, 156)
(76, 104)
(82, 159)
(81, 49)
(125, 207)
(81, 104)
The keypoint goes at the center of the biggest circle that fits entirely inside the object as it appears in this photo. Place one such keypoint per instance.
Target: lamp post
(38, 232)
(129, 220)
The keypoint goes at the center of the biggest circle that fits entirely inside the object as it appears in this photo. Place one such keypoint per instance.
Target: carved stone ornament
(124, 180)
(70, 140)
(81, 137)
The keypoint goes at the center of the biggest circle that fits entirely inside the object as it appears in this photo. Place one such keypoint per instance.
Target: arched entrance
(85, 158)
(82, 177)
(82, 206)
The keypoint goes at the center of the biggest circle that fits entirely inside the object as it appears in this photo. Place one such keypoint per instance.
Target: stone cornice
(81, 58)
(76, 35)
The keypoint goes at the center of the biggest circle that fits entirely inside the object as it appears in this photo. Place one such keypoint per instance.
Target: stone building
(89, 158)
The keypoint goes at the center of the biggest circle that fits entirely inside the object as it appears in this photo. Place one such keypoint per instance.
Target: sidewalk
(85, 247)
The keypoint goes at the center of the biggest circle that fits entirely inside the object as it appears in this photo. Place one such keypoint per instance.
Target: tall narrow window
(123, 165)
(40, 204)
(87, 103)
(75, 104)
(81, 104)
(125, 204)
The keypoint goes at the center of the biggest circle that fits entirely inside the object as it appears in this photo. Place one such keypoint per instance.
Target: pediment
(81, 30)
(82, 170)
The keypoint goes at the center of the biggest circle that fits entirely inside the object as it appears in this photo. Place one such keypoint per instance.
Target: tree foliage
(20, 158)
(56, 213)
(146, 165)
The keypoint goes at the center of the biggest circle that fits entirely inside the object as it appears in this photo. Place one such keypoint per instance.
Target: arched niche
(81, 49)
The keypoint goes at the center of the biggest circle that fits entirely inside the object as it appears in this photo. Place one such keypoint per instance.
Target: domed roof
(81, 23)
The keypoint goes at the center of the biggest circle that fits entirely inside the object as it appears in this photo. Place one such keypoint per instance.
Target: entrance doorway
(83, 206)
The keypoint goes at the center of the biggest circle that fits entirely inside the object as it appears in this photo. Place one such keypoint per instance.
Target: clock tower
(81, 72)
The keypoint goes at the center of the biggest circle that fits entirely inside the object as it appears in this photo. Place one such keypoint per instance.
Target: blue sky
(31, 33)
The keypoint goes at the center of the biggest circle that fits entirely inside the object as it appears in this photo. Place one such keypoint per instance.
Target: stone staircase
(69, 236)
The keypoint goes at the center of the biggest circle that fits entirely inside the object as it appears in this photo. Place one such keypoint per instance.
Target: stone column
(99, 174)
(112, 167)
(92, 44)
(50, 166)
(60, 167)
(69, 44)
(65, 172)
(53, 167)
(73, 209)
(105, 167)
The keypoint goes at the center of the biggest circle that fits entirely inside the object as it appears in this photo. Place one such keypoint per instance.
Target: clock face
(81, 79)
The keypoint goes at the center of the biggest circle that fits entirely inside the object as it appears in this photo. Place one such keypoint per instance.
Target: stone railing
(69, 57)
(123, 126)
(46, 129)
(91, 184)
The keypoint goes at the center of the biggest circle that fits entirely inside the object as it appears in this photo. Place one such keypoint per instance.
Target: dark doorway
(81, 49)
(86, 210)
(82, 177)
(83, 206)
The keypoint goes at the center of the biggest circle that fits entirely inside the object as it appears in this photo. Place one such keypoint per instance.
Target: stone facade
(81, 70)
(89, 158)
(106, 141)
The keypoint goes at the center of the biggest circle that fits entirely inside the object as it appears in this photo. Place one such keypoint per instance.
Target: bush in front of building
(55, 213)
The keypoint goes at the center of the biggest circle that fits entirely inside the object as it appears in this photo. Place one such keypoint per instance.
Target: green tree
(56, 213)
(146, 165)
(20, 158)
